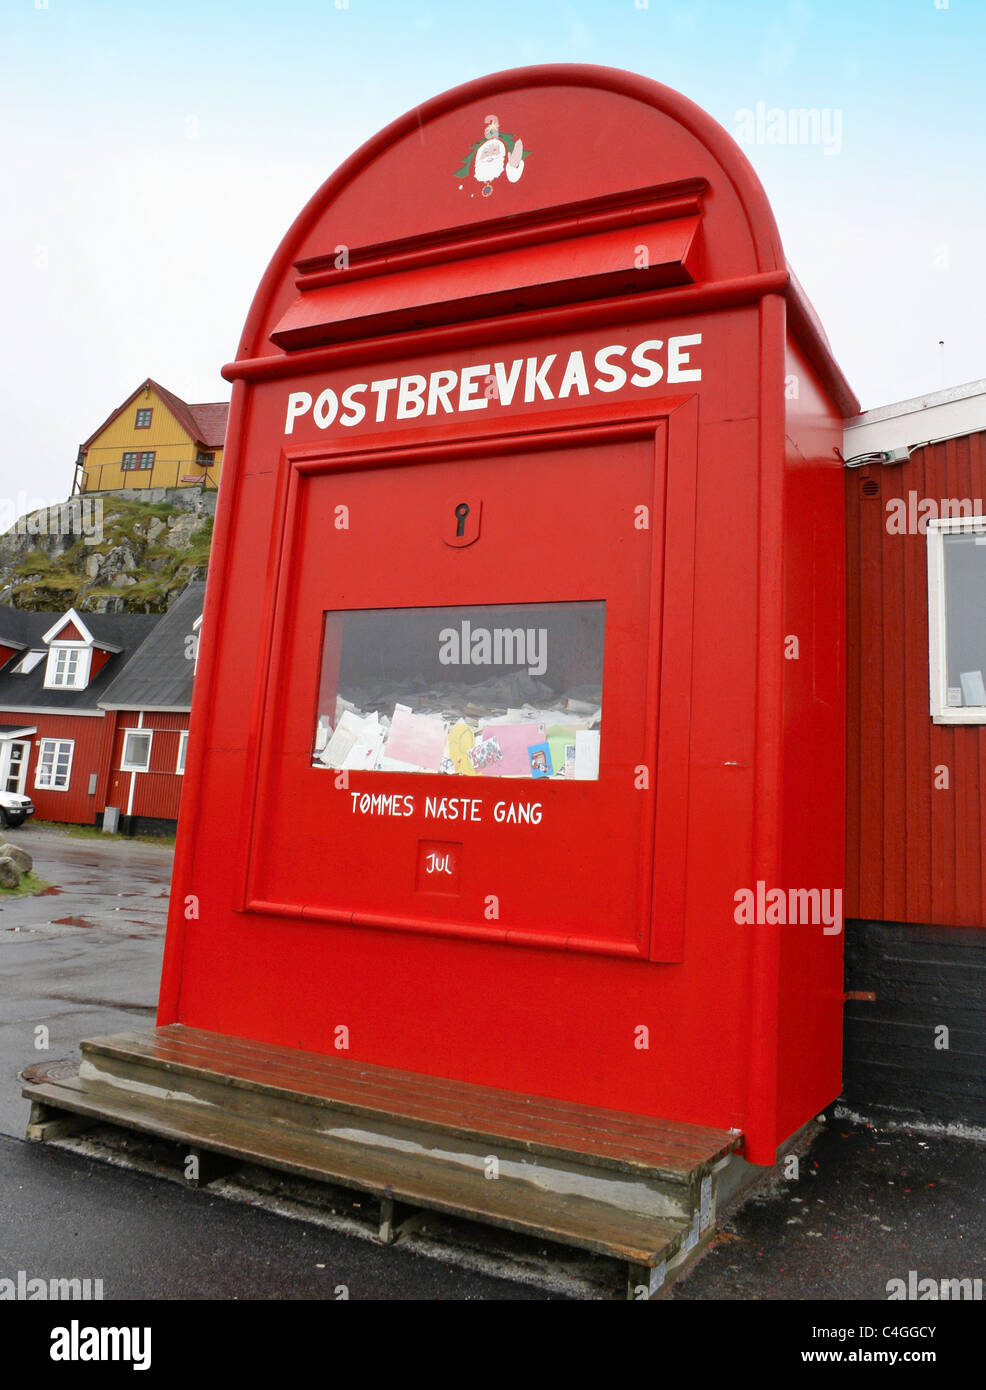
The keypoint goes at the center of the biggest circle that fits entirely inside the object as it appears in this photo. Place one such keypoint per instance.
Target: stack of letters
(469, 730)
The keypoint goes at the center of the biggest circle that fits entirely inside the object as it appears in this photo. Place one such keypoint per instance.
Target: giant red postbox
(517, 748)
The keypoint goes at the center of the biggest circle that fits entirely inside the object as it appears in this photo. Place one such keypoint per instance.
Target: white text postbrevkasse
(451, 391)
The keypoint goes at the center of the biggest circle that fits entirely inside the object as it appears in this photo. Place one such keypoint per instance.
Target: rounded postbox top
(523, 157)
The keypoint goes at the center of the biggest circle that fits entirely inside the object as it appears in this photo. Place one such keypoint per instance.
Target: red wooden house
(94, 711)
(55, 669)
(916, 821)
(151, 699)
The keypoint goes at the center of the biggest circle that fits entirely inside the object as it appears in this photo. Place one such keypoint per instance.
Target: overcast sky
(153, 154)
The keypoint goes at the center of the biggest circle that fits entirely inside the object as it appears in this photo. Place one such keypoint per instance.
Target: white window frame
(80, 675)
(937, 530)
(128, 764)
(56, 743)
(182, 752)
(6, 753)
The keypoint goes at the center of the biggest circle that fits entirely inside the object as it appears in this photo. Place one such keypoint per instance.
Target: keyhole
(461, 511)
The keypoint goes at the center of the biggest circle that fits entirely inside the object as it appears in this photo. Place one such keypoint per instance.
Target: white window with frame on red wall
(136, 750)
(54, 770)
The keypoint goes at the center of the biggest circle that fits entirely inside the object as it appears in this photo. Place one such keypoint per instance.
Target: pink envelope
(514, 739)
(416, 738)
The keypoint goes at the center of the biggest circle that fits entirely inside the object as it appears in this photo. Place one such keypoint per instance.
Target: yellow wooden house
(154, 439)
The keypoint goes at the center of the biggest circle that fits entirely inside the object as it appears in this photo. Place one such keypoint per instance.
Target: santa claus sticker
(497, 153)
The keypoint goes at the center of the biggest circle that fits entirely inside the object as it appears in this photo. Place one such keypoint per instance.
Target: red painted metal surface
(614, 971)
(913, 852)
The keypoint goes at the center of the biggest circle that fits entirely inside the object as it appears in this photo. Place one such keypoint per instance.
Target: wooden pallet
(637, 1189)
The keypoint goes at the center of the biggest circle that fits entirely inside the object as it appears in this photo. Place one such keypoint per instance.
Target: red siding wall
(913, 853)
(157, 793)
(93, 738)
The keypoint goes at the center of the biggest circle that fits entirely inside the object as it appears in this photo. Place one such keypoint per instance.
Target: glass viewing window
(504, 690)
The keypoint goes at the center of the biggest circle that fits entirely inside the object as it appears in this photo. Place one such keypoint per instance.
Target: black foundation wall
(899, 1060)
(147, 825)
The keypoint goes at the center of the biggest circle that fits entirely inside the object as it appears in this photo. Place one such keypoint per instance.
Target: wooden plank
(541, 1126)
(241, 1095)
(912, 820)
(295, 1064)
(415, 1179)
(894, 877)
(942, 748)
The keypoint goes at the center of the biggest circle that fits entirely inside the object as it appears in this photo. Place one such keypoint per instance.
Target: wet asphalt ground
(83, 959)
(867, 1206)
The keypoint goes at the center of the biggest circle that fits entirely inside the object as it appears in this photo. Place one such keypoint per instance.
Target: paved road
(83, 960)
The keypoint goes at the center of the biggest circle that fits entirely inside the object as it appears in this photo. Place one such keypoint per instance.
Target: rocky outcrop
(131, 551)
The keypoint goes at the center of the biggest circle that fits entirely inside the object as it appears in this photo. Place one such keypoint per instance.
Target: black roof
(125, 631)
(159, 674)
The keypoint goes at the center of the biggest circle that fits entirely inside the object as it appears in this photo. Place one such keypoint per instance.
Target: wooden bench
(629, 1186)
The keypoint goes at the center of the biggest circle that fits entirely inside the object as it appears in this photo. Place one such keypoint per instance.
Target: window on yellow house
(138, 460)
(144, 419)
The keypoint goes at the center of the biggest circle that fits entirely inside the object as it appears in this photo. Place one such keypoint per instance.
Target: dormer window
(68, 668)
(70, 646)
(28, 662)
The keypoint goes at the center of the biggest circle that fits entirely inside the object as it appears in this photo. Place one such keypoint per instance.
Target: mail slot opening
(497, 690)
